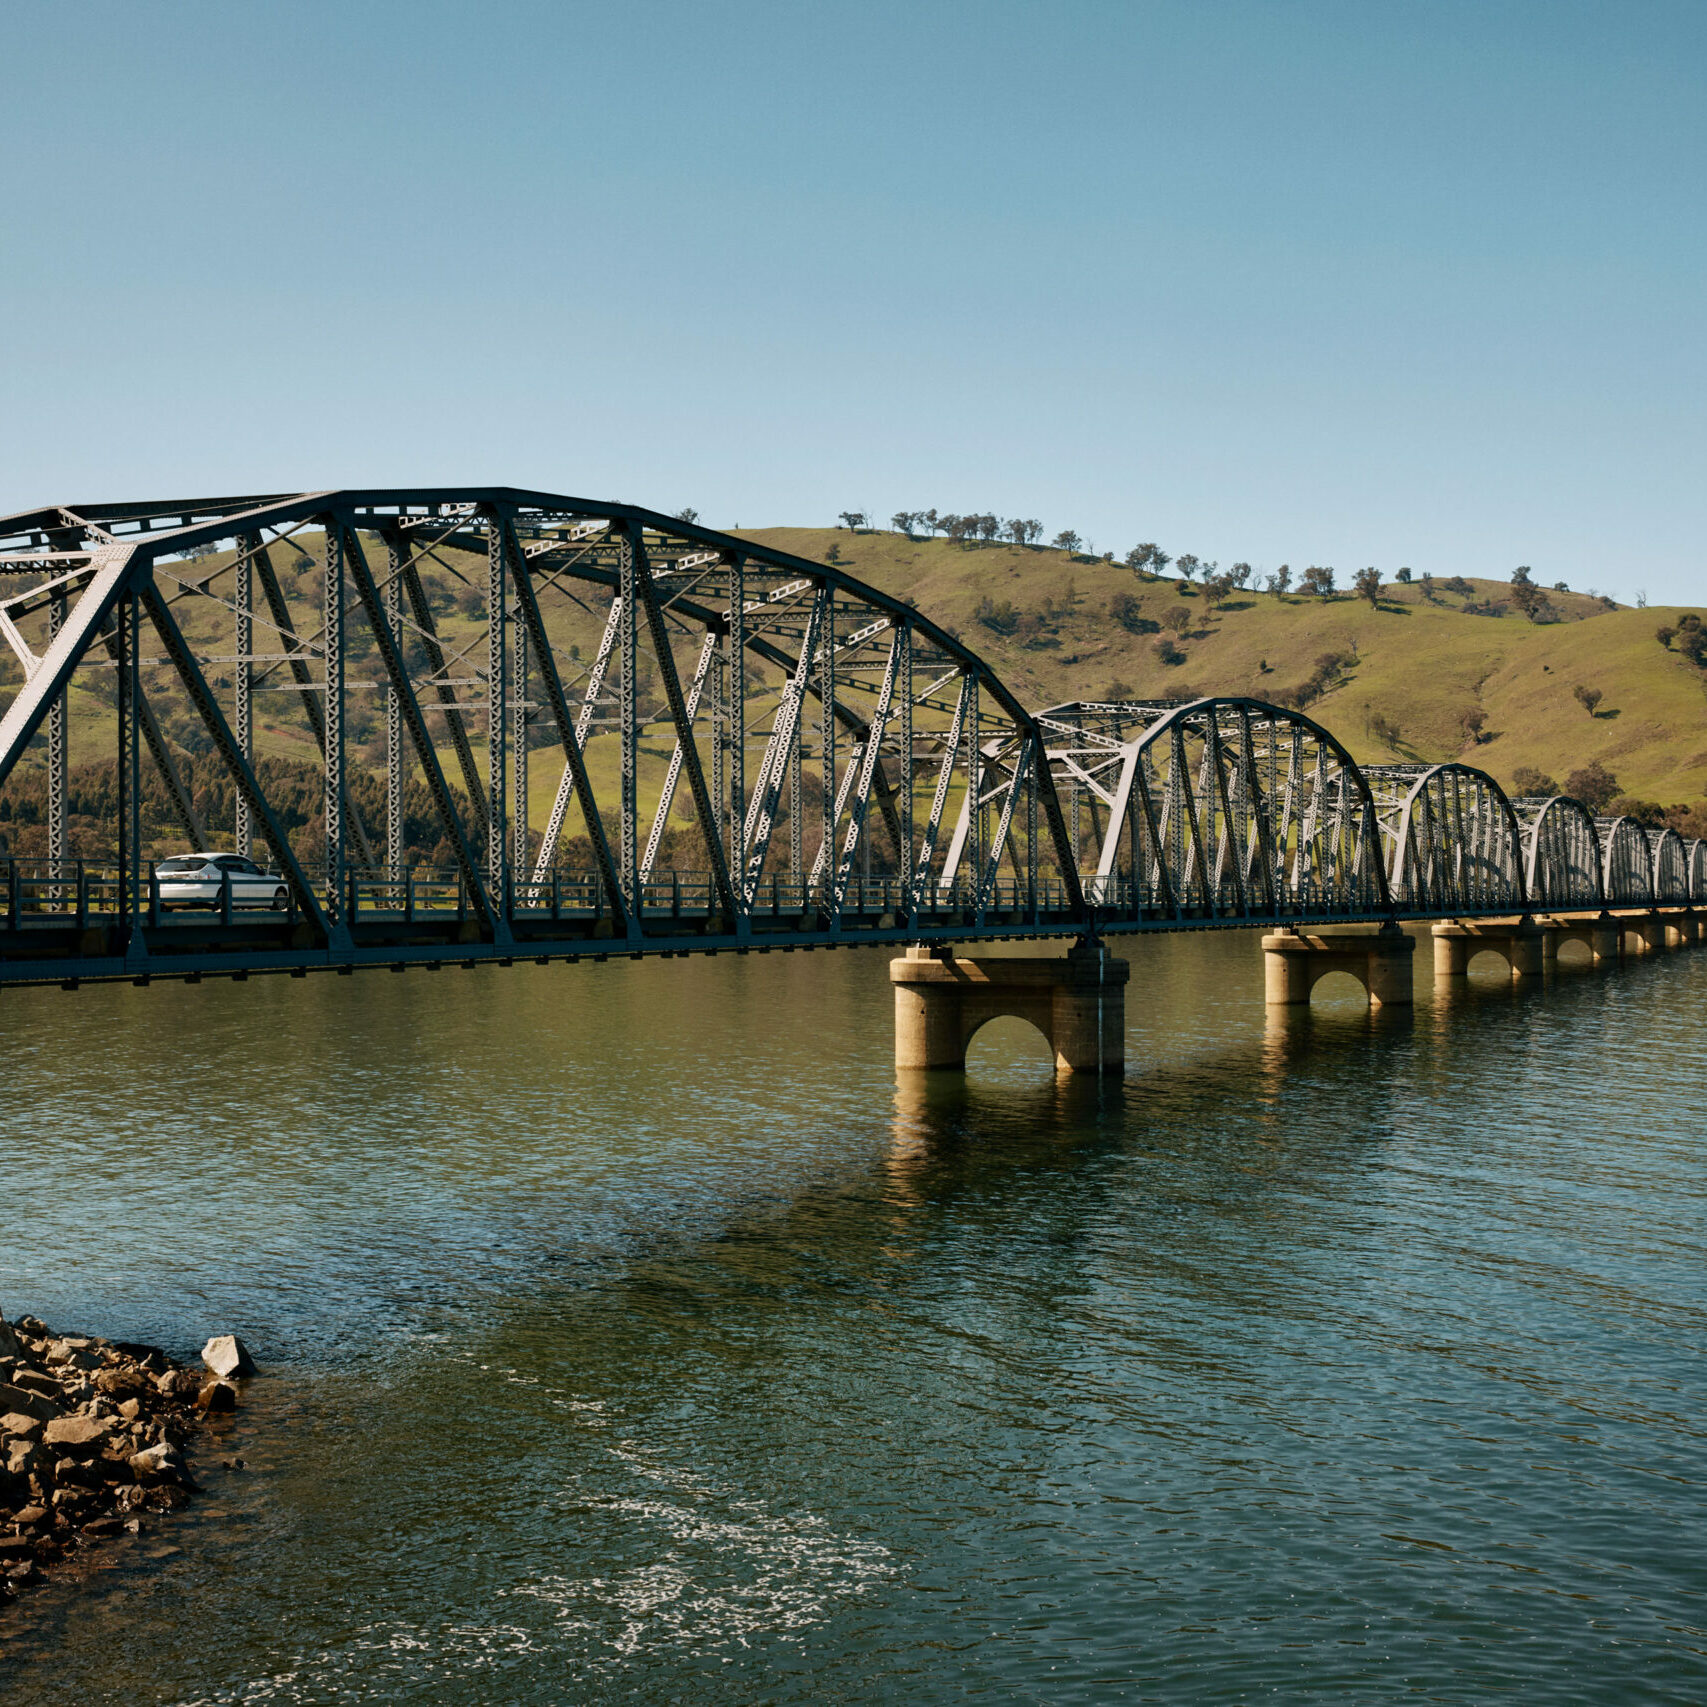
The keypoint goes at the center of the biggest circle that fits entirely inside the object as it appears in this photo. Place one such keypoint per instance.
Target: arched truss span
(803, 744)
(1221, 808)
(1561, 853)
(1697, 857)
(1452, 840)
(1671, 868)
(1626, 862)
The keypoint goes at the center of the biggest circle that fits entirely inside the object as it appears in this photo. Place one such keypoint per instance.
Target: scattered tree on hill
(1384, 730)
(927, 519)
(1018, 531)
(1560, 587)
(1472, 720)
(1427, 585)
(1367, 583)
(1403, 575)
(1129, 613)
(833, 555)
(1457, 584)
(853, 520)
(1118, 689)
(1168, 652)
(1240, 575)
(1643, 811)
(1665, 634)
(1587, 698)
(1176, 620)
(1188, 563)
(1066, 540)
(1594, 785)
(902, 522)
(1000, 618)
(687, 514)
(1692, 639)
(1317, 582)
(1281, 580)
(1527, 783)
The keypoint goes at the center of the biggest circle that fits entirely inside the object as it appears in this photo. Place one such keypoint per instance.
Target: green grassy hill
(1420, 665)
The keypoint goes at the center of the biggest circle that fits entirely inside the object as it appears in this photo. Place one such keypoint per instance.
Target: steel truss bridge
(735, 749)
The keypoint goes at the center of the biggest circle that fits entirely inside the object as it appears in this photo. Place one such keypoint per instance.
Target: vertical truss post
(497, 709)
(975, 789)
(519, 754)
(1031, 834)
(629, 639)
(332, 628)
(57, 759)
(735, 801)
(796, 813)
(397, 559)
(904, 866)
(827, 732)
(129, 776)
(243, 644)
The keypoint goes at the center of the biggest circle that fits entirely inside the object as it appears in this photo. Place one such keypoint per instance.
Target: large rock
(81, 1437)
(31, 1403)
(226, 1354)
(160, 1459)
(10, 1344)
(20, 1425)
(24, 1459)
(217, 1397)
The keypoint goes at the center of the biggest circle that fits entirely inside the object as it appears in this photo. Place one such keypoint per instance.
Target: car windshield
(190, 862)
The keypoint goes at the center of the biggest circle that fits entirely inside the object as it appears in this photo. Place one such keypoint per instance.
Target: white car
(197, 880)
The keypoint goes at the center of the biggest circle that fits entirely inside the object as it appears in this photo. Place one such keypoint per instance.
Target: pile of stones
(92, 1438)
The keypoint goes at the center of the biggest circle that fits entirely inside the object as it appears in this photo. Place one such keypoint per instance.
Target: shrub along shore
(93, 1439)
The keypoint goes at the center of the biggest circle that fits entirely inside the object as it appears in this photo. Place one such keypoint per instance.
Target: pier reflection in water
(633, 1334)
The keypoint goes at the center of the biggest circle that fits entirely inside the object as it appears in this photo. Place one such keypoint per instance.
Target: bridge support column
(1644, 932)
(1078, 1002)
(1679, 929)
(1601, 936)
(1524, 945)
(1380, 961)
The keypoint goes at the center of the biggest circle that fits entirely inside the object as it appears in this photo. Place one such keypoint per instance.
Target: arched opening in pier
(1339, 990)
(1488, 961)
(1573, 951)
(1011, 1048)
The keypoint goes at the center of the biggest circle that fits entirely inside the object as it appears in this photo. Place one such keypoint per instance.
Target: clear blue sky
(1366, 283)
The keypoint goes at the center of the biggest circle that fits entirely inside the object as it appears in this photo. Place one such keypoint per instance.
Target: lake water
(629, 1335)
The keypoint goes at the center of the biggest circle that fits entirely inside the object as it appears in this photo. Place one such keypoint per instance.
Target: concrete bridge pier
(1078, 1002)
(1644, 933)
(1293, 964)
(1521, 943)
(1601, 936)
(1683, 930)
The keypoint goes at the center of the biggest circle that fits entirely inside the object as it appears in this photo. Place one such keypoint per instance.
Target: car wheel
(281, 900)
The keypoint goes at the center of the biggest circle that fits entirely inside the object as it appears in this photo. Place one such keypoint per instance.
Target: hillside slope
(1415, 664)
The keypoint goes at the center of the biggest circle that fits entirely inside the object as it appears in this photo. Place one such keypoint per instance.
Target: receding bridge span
(482, 724)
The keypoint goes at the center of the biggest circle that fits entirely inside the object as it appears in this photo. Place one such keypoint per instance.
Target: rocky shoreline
(93, 1435)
